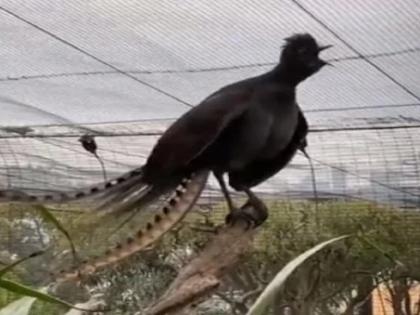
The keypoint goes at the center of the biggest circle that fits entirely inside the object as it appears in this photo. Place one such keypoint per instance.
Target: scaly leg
(234, 214)
(225, 191)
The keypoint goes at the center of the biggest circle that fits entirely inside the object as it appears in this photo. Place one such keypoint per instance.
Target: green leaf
(29, 292)
(37, 294)
(267, 296)
(18, 307)
(12, 265)
(49, 217)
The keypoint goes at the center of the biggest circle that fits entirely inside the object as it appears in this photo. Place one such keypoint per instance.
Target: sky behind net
(120, 69)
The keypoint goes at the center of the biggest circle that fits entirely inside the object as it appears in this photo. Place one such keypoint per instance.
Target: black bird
(248, 130)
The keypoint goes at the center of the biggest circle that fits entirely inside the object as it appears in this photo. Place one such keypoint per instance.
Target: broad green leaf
(12, 265)
(29, 292)
(267, 296)
(18, 307)
(37, 294)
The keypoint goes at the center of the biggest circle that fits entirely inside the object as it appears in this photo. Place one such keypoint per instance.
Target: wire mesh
(123, 71)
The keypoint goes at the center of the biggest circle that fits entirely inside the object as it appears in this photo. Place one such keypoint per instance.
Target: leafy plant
(267, 296)
(19, 307)
(23, 305)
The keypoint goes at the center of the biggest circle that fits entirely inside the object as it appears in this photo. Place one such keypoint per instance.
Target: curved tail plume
(174, 210)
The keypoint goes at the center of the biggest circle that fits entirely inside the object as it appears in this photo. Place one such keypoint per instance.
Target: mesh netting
(122, 71)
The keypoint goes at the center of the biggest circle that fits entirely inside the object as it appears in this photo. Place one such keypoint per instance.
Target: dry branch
(205, 272)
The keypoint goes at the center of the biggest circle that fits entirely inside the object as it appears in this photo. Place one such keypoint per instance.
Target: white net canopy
(123, 70)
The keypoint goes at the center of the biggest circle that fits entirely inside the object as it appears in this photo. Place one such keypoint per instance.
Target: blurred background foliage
(384, 251)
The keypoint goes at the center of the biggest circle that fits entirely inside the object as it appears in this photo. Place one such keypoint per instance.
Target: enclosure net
(119, 69)
(122, 71)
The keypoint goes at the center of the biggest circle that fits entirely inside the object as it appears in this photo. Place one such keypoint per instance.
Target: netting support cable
(86, 53)
(314, 187)
(348, 45)
(201, 70)
(341, 169)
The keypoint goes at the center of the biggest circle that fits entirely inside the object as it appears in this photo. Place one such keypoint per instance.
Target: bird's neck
(287, 74)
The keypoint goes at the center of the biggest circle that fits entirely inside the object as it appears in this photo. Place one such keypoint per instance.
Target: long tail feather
(115, 184)
(184, 198)
(134, 197)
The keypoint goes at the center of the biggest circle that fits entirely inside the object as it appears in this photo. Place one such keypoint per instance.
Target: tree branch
(205, 272)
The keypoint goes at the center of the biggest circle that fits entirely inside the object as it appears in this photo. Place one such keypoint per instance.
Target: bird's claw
(252, 213)
(236, 216)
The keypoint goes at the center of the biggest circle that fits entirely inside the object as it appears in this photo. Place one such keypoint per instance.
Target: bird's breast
(261, 133)
(281, 132)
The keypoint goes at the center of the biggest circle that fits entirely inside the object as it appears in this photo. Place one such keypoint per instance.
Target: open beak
(327, 63)
(324, 47)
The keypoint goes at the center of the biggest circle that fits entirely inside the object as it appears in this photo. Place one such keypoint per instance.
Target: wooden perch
(205, 272)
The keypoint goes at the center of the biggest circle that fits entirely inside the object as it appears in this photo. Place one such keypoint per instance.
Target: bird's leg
(253, 212)
(255, 207)
(225, 191)
(234, 214)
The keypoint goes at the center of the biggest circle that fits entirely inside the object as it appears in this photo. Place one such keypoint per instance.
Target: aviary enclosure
(88, 87)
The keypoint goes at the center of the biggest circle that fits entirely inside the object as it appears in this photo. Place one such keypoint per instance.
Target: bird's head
(301, 56)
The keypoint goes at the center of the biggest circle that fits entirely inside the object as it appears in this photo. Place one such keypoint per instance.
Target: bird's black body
(245, 123)
(263, 168)
(249, 130)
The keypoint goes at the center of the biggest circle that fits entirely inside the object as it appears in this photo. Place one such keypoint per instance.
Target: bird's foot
(253, 213)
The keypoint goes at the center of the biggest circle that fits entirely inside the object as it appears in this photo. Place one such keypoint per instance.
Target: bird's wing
(262, 169)
(196, 130)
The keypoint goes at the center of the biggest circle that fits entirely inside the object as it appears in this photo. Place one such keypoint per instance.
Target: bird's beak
(326, 63)
(324, 47)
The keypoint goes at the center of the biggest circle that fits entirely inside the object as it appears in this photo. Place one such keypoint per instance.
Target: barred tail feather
(175, 209)
(115, 184)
